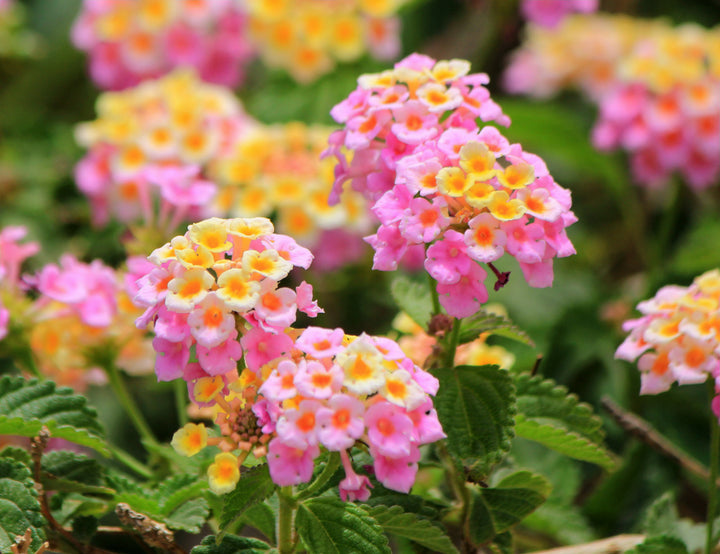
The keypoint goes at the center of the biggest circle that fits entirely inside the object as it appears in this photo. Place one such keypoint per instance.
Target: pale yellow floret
(190, 439)
(206, 388)
(237, 291)
(504, 208)
(211, 234)
(363, 366)
(449, 70)
(479, 194)
(477, 160)
(267, 263)
(346, 38)
(198, 257)
(250, 227)
(384, 79)
(189, 289)
(453, 181)
(516, 176)
(224, 473)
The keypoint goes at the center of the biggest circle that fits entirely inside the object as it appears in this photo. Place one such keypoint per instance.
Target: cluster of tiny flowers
(306, 37)
(86, 307)
(549, 13)
(328, 390)
(678, 336)
(154, 140)
(215, 291)
(665, 109)
(439, 184)
(277, 170)
(12, 255)
(421, 347)
(129, 41)
(657, 87)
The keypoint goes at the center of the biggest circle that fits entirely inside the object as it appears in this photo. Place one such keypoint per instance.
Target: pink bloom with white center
(276, 308)
(280, 384)
(401, 389)
(289, 465)
(423, 220)
(298, 428)
(341, 422)
(389, 429)
(321, 343)
(413, 124)
(524, 241)
(484, 239)
(314, 380)
(447, 258)
(463, 298)
(288, 249)
(211, 321)
(390, 246)
(396, 473)
(427, 424)
(171, 325)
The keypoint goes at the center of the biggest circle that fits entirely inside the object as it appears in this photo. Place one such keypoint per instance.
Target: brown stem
(612, 545)
(37, 447)
(153, 533)
(641, 429)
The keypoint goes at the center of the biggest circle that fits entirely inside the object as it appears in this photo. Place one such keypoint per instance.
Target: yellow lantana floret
(224, 473)
(478, 161)
(516, 176)
(237, 291)
(210, 234)
(190, 439)
(503, 208)
(267, 263)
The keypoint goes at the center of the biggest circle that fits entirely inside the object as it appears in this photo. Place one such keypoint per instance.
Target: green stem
(286, 509)
(180, 389)
(331, 466)
(457, 483)
(452, 344)
(127, 402)
(714, 462)
(129, 461)
(434, 295)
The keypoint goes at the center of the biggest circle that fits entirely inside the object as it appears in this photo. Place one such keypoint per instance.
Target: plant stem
(434, 295)
(129, 461)
(127, 402)
(714, 462)
(457, 483)
(286, 507)
(180, 390)
(452, 344)
(328, 471)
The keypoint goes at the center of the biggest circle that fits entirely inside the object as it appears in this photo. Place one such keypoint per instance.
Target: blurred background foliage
(629, 240)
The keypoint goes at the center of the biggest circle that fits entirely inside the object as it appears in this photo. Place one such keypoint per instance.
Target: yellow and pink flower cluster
(677, 338)
(129, 41)
(657, 86)
(307, 37)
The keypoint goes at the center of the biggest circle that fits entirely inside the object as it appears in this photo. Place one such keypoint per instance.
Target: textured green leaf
(189, 516)
(67, 507)
(231, 544)
(548, 414)
(475, 405)
(261, 517)
(395, 521)
(254, 486)
(19, 505)
(16, 453)
(484, 322)
(494, 510)
(663, 520)
(72, 466)
(328, 525)
(413, 298)
(27, 405)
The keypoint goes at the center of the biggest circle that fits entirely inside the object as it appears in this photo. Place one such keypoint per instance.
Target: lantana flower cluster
(438, 183)
(549, 13)
(152, 141)
(657, 86)
(307, 37)
(277, 170)
(84, 310)
(215, 291)
(129, 41)
(677, 337)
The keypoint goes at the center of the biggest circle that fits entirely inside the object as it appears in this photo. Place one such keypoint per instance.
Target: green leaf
(548, 414)
(395, 521)
(692, 255)
(475, 405)
(230, 544)
(660, 545)
(25, 406)
(413, 298)
(72, 467)
(189, 516)
(328, 525)
(484, 322)
(261, 517)
(254, 486)
(662, 520)
(67, 507)
(16, 453)
(495, 510)
(19, 505)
